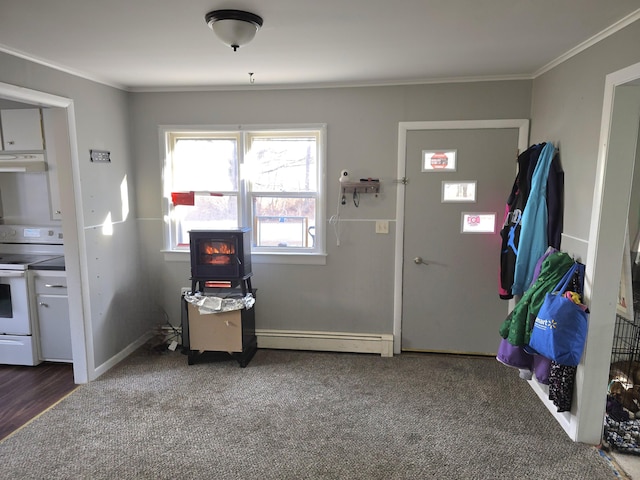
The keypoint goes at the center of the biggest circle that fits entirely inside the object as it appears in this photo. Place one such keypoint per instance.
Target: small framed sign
(100, 156)
(478, 222)
(462, 192)
(439, 160)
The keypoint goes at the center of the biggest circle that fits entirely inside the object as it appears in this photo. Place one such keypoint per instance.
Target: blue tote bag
(560, 329)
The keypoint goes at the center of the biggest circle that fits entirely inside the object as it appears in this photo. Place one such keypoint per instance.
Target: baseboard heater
(326, 341)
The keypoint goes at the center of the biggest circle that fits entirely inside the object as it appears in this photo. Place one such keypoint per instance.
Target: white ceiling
(166, 44)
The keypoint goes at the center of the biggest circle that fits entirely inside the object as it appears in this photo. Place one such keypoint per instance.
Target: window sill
(273, 258)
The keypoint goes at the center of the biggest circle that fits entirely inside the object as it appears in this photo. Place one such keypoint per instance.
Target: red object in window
(189, 198)
(183, 198)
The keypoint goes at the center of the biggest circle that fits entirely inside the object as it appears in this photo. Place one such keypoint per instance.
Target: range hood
(22, 162)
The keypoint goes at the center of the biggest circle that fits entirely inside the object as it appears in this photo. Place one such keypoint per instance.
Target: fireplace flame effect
(217, 253)
(222, 248)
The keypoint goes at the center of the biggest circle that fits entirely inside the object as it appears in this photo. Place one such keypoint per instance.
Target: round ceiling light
(234, 27)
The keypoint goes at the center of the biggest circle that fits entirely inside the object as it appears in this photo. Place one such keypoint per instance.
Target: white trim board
(122, 354)
(326, 341)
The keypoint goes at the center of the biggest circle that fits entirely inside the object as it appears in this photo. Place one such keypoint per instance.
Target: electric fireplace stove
(220, 256)
(220, 259)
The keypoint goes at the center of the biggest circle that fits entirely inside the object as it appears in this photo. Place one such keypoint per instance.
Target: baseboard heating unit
(326, 341)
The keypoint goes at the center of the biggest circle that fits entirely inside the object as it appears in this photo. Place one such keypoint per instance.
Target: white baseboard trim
(128, 350)
(326, 341)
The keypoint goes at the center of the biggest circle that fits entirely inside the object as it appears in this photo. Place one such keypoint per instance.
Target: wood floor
(26, 392)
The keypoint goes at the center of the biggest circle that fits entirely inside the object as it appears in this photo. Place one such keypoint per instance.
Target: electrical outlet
(382, 226)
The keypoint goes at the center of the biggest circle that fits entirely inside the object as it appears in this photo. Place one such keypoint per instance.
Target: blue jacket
(533, 234)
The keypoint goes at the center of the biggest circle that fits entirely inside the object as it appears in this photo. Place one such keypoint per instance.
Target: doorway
(609, 216)
(63, 109)
(519, 139)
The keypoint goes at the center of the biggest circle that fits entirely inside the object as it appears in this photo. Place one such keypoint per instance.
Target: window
(270, 180)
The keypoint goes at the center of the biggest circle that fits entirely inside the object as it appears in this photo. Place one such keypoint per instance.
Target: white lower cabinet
(52, 307)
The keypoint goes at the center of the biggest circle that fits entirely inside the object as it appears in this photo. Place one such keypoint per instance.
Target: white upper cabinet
(21, 129)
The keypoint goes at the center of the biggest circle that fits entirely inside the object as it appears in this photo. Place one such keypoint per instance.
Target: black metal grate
(626, 344)
(626, 340)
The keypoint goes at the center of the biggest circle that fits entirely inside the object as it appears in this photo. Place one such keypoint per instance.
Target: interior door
(450, 300)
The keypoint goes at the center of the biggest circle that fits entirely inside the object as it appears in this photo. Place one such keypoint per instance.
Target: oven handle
(11, 273)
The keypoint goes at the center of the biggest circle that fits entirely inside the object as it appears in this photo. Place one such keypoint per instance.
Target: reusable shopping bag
(560, 329)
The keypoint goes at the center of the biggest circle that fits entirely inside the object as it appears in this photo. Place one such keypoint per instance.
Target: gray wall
(567, 110)
(634, 202)
(353, 292)
(112, 268)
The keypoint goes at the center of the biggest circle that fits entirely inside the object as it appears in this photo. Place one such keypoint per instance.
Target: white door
(450, 300)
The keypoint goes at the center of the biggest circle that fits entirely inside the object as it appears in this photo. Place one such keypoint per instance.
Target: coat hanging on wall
(527, 232)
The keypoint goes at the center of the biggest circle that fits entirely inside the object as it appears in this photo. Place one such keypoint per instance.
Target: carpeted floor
(301, 415)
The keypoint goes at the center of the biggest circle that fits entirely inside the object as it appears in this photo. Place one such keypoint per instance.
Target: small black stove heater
(221, 259)
(221, 256)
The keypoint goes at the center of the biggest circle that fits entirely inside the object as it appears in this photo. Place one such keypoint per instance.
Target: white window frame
(291, 255)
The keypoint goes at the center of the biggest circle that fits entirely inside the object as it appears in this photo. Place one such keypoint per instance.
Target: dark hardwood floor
(26, 392)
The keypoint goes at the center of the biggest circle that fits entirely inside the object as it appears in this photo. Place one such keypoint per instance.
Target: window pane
(208, 213)
(284, 222)
(269, 179)
(283, 164)
(205, 164)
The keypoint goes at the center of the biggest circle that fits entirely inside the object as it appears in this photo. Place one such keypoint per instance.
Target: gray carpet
(301, 415)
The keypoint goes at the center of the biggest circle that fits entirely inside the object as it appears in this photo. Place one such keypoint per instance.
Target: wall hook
(251, 79)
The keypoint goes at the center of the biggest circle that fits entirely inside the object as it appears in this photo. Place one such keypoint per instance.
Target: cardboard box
(216, 332)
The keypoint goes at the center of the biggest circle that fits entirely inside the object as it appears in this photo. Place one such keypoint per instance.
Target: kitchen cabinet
(21, 129)
(52, 312)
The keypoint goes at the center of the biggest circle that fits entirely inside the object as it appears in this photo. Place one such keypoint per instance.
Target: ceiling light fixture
(234, 27)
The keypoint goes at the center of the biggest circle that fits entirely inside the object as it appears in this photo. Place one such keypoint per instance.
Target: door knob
(418, 261)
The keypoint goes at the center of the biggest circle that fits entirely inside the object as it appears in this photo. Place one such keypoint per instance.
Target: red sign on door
(439, 160)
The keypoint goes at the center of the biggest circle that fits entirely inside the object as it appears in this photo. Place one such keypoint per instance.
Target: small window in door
(478, 222)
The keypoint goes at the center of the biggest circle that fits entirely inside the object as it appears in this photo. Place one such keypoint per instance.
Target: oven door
(14, 303)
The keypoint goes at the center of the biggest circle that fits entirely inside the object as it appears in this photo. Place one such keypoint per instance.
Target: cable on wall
(335, 219)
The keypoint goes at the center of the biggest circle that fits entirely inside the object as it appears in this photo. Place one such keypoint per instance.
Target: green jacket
(516, 329)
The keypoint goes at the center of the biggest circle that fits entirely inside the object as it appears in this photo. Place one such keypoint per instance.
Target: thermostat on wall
(100, 156)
